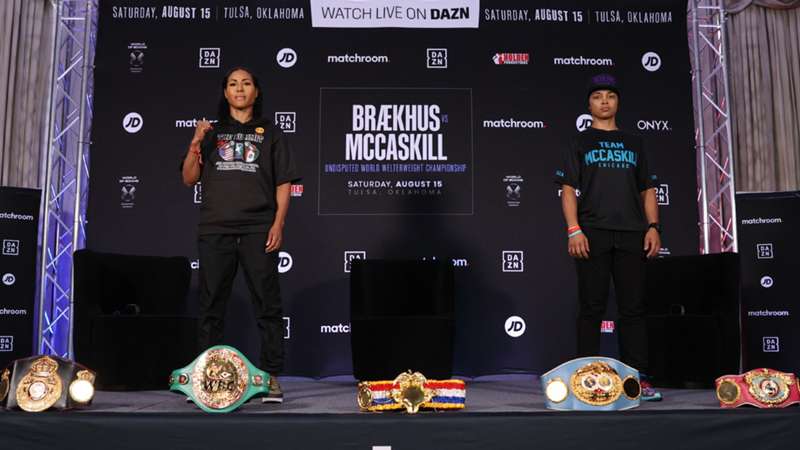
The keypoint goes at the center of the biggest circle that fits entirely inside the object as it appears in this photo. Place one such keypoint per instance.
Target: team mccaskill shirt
(242, 165)
(609, 168)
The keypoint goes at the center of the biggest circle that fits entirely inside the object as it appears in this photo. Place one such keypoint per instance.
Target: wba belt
(40, 382)
(763, 388)
(411, 391)
(220, 380)
(591, 384)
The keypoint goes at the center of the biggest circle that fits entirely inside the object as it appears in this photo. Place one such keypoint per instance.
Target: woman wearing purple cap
(609, 203)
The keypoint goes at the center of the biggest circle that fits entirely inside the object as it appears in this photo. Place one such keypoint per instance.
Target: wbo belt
(591, 384)
(40, 382)
(763, 388)
(220, 380)
(411, 391)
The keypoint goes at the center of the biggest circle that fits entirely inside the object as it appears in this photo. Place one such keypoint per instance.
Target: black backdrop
(19, 218)
(768, 243)
(495, 212)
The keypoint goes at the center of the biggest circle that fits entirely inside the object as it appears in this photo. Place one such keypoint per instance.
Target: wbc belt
(591, 384)
(411, 391)
(763, 388)
(39, 383)
(220, 380)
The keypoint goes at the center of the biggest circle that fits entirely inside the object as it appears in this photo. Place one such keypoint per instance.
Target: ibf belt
(763, 388)
(411, 391)
(591, 384)
(220, 380)
(39, 383)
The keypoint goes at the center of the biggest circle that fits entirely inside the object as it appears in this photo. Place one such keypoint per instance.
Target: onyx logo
(515, 326)
(198, 192)
(9, 279)
(287, 327)
(286, 121)
(349, 256)
(286, 58)
(653, 125)
(437, 58)
(10, 247)
(662, 194)
(772, 344)
(651, 61)
(210, 57)
(285, 262)
(767, 282)
(513, 261)
(6, 343)
(132, 122)
(583, 122)
(764, 251)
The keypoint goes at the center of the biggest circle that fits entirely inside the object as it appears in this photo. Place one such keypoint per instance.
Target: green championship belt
(220, 380)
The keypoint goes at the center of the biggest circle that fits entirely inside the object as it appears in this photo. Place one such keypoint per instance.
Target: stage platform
(503, 412)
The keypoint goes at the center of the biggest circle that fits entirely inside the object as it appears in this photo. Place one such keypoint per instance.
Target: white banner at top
(395, 13)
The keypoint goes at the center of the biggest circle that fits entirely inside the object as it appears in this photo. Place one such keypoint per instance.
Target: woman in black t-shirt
(609, 203)
(246, 168)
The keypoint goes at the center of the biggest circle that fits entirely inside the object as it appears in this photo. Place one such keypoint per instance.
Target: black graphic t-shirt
(242, 165)
(610, 170)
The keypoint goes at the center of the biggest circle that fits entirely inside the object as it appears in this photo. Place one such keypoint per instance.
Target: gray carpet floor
(337, 395)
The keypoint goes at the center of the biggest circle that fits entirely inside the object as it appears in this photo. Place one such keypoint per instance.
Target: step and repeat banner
(768, 248)
(19, 231)
(422, 130)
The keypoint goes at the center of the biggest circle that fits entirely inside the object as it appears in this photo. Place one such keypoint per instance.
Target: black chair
(130, 323)
(401, 318)
(693, 319)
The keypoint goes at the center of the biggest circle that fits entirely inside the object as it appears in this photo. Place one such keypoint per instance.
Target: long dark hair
(224, 108)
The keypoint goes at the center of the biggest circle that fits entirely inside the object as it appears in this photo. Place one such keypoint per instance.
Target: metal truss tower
(67, 169)
(716, 195)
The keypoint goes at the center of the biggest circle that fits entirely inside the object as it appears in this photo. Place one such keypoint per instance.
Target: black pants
(616, 255)
(220, 255)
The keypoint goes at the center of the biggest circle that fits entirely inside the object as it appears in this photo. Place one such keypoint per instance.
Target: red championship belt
(762, 388)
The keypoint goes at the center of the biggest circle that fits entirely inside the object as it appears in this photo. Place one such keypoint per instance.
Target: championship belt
(763, 388)
(220, 380)
(411, 391)
(41, 382)
(591, 384)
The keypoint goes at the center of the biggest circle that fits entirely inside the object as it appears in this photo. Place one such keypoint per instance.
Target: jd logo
(9, 279)
(285, 262)
(651, 61)
(583, 122)
(286, 57)
(132, 122)
(515, 326)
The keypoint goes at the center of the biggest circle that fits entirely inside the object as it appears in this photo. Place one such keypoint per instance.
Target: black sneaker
(275, 394)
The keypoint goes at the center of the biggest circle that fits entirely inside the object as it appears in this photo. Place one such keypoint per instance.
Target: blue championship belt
(220, 380)
(591, 384)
